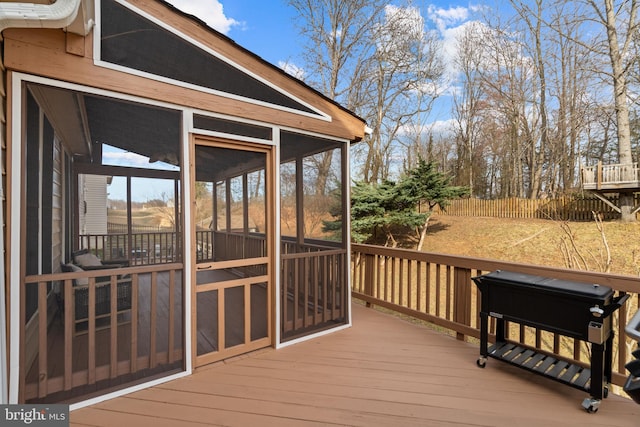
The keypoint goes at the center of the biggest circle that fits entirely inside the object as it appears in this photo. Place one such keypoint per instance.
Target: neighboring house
(89, 314)
(92, 195)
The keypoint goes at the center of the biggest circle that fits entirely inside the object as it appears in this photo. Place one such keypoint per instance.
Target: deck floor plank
(383, 371)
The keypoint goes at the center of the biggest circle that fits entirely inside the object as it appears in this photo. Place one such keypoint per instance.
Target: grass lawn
(539, 242)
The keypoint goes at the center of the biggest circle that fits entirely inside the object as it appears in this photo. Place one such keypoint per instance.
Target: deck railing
(129, 327)
(162, 247)
(157, 247)
(613, 176)
(437, 288)
(314, 294)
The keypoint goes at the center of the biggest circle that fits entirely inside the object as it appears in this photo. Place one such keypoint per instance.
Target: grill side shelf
(542, 364)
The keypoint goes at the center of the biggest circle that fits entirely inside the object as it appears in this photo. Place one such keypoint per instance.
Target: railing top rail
(634, 164)
(126, 234)
(50, 277)
(315, 254)
(618, 282)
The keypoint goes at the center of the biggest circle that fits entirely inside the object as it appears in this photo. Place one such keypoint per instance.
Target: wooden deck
(384, 371)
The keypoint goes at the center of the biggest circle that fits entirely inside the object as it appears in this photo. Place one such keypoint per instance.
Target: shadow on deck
(383, 371)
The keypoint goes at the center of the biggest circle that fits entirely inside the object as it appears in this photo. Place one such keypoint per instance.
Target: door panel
(231, 201)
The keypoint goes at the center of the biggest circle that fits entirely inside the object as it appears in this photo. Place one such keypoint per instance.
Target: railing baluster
(113, 321)
(133, 364)
(296, 293)
(153, 318)
(387, 260)
(394, 261)
(428, 288)
(378, 261)
(43, 370)
(401, 282)
(69, 325)
(91, 340)
(172, 315)
(448, 298)
(438, 299)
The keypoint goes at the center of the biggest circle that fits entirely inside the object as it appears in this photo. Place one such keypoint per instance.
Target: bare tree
(467, 104)
(399, 85)
(376, 59)
(570, 82)
(620, 22)
(338, 38)
(611, 16)
(509, 92)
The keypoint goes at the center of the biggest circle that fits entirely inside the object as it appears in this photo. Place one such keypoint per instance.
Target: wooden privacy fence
(563, 208)
(438, 289)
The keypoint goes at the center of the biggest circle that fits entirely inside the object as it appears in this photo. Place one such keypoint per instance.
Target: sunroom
(172, 200)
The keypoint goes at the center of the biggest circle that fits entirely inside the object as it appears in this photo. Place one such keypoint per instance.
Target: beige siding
(93, 204)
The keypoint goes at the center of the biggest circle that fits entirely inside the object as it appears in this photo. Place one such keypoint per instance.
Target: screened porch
(103, 296)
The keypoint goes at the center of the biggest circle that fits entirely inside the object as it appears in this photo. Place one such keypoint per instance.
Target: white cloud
(437, 128)
(209, 11)
(450, 23)
(446, 18)
(124, 158)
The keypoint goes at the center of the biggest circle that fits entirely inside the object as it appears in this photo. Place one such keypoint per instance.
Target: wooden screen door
(232, 217)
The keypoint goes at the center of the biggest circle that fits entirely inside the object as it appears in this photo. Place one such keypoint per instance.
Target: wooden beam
(607, 201)
(599, 176)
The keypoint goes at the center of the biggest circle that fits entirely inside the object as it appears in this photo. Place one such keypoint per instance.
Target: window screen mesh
(132, 41)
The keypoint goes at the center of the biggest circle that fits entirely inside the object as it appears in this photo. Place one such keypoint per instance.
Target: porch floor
(383, 371)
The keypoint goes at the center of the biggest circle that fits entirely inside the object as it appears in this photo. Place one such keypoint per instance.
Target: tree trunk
(619, 87)
(423, 234)
(626, 207)
(620, 99)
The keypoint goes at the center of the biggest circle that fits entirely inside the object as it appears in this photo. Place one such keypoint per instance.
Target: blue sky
(265, 27)
(268, 28)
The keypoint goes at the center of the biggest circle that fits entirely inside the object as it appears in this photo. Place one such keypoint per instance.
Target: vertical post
(43, 368)
(113, 330)
(369, 266)
(484, 334)
(462, 298)
(597, 370)
(172, 299)
(175, 244)
(130, 242)
(299, 201)
(608, 358)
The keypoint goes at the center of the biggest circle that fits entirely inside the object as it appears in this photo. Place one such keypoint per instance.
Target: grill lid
(546, 284)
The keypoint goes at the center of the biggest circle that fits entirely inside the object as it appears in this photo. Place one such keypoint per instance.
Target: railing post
(462, 298)
(369, 277)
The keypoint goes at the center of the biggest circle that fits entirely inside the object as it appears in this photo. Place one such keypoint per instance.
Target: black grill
(572, 309)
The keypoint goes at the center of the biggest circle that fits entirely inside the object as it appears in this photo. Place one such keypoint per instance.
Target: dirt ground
(578, 245)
